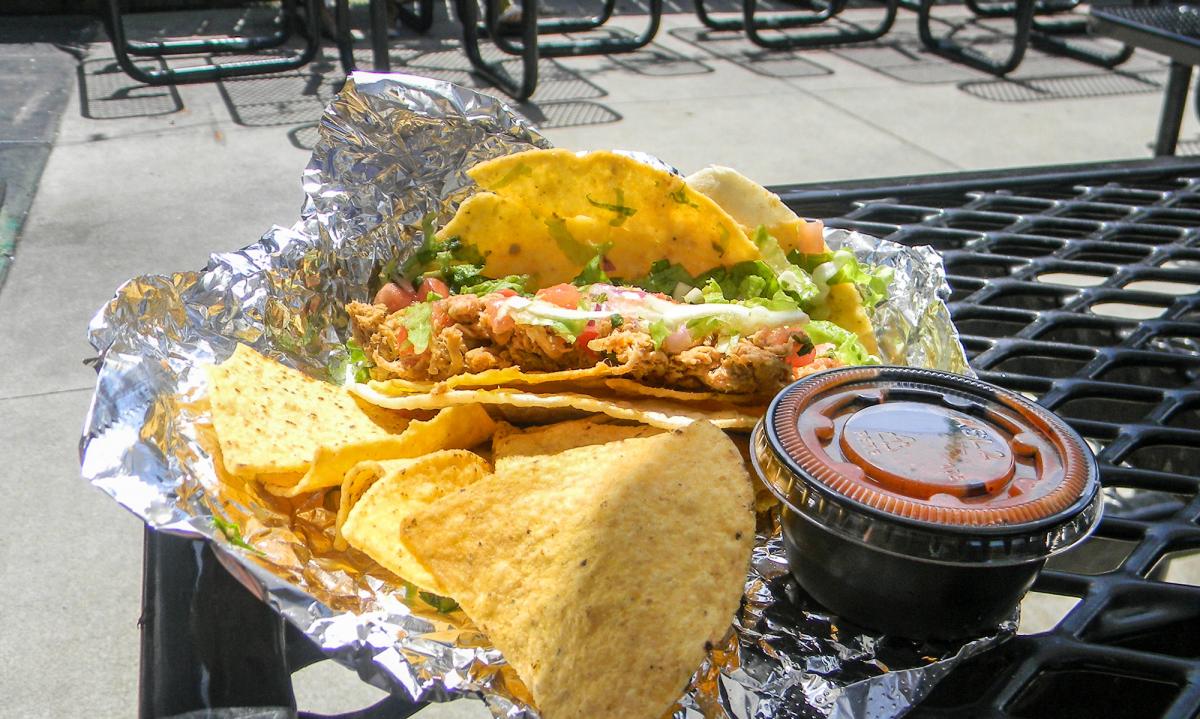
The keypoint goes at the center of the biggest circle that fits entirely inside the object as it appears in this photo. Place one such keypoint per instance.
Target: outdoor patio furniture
(307, 23)
(418, 20)
(1049, 36)
(522, 39)
(756, 25)
(1128, 647)
(1171, 30)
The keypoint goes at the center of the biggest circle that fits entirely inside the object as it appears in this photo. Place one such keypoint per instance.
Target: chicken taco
(563, 262)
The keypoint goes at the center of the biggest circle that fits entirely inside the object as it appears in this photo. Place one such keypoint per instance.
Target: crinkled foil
(394, 149)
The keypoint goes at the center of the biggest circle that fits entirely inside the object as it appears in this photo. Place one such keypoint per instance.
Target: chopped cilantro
(681, 197)
(233, 533)
(444, 605)
(446, 259)
(623, 211)
(664, 277)
(521, 170)
(593, 271)
(616, 321)
(577, 252)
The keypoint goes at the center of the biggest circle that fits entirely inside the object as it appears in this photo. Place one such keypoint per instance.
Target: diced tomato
(402, 343)
(563, 295)
(506, 292)
(499, 322)
(588, 334)
(395, 297)
(432, 284)
(799, 360)
(811, 238)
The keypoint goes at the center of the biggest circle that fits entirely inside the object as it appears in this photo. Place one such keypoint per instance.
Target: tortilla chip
(600, 567)
(271, 419)
(493, 378)
(653, 411)
(752, 205)
(460, 427)
(395, 490)
(512, 446)
(546, 213)
(846, 311)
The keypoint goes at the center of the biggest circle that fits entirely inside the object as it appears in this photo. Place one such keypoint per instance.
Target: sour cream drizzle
(631, 303)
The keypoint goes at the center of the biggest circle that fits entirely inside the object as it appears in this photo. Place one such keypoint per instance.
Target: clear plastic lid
(929, 464)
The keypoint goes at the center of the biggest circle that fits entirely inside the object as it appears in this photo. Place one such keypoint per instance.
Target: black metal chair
(530, 48)
(308, 23)
(755, 24)
(1171, 30)
(1028, 30)
(418, 20)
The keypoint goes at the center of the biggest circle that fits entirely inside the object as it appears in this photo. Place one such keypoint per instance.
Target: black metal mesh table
(1075, 286)
(1078, 287)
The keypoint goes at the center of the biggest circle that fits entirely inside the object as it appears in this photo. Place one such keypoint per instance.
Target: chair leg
(1009, 9)
(1022, 19)
(379, 35)
(1174, 100)
(1048, 38)
(772, 23)
(754, 26)
(608, 45)
(558, 25)
(122, 49)
(494, 72)
(345, 42)
(419, 21)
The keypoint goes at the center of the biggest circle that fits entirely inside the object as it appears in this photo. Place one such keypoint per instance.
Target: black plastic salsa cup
(921, 503)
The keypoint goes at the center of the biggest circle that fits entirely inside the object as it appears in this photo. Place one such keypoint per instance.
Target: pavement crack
(49, 393)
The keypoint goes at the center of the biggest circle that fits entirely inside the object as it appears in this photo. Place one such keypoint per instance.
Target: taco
(563, 261)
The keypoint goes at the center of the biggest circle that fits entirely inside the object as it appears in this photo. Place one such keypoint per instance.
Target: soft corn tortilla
(601, 572)
(272, 419)
(752, 205)
(546, 213)
(395, 489)
(654, 411)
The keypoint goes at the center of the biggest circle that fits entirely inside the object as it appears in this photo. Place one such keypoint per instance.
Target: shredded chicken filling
(471, 334)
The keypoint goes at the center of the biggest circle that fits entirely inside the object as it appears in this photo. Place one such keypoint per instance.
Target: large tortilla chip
(398, 488)
(512, 446)
(494, 378)
(272, 419)
(459, 427)
(601, 572)
(546, 213)
(653, 411)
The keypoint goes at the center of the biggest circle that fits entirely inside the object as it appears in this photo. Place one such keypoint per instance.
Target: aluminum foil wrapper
(393, 150)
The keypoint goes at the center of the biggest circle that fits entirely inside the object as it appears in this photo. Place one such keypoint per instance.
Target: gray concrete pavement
(154, 179)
